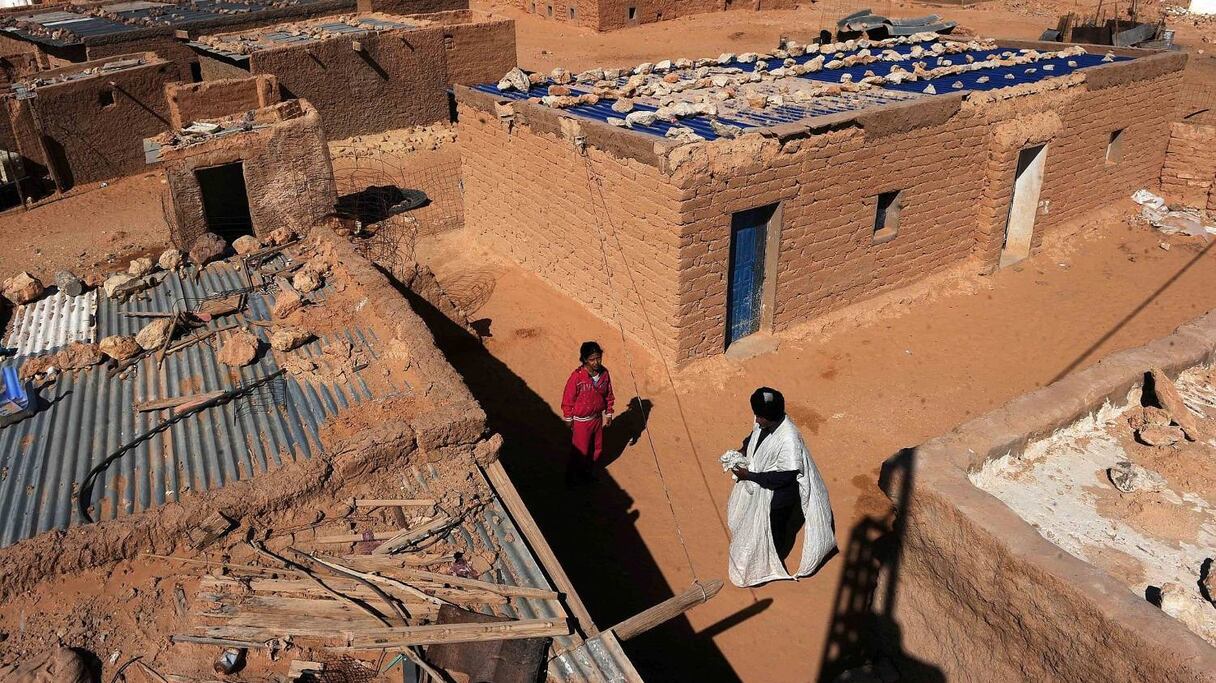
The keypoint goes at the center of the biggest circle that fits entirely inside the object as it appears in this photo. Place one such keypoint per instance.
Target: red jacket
(586, 399)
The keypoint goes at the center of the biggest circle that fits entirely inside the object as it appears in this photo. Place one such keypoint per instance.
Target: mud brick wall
(213, 69)
(1190, 165)
(216, 99)
(398, 79)
(979, 589)
(478, 47)
(528, 193)
(606, 15)
(406, 7)
(166, 46)
(16, 66)
(1077, 177)
(84, 139)
(288, 175)
(828, 187)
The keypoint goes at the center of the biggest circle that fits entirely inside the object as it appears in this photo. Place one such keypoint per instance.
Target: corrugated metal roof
(594, 661)
(86, 415)
(749, 119)
(53, 321)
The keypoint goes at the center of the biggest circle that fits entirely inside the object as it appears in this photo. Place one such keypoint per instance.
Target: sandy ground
(90, 229)
(860, 391)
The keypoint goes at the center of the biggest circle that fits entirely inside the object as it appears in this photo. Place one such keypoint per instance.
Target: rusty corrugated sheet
(86, 415)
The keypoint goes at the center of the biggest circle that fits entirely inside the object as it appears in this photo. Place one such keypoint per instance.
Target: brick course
(1189, 174)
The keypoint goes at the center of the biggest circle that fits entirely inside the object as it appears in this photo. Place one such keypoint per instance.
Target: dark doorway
(225, 200)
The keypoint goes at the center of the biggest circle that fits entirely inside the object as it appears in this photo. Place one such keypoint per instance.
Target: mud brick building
(86, 123)
(369, 72)
(253, 173)
(606, 15)
(818, 184)
(70, 32)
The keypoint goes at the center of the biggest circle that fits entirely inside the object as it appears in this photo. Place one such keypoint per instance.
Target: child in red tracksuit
(587, 407)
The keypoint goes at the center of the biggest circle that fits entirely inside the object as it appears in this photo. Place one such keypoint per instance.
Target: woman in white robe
(777, 471)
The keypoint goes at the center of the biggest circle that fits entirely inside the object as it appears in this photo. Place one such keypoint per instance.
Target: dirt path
(860, 393)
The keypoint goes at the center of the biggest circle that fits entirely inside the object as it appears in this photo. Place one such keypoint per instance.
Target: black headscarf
(768, 403)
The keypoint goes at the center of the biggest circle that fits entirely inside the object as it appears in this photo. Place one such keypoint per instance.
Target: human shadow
(592, 529)
(863, 632)
(626, 429)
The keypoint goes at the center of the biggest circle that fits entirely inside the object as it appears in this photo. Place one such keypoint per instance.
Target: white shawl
(753, 558)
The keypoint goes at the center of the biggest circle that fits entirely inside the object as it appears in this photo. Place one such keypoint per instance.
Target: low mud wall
(981, 595)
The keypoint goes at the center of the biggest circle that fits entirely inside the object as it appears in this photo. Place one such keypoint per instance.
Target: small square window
(633, 13)
(886, 216)
(571, 14)
(1114, 148)
(549, 10)
(106, 98)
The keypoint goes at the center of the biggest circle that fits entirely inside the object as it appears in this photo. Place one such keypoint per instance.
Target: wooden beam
(523, 519)
(699, 593)
(461, 582)
(408, 536)
(355, 538)
(393, 502)
(408, 636)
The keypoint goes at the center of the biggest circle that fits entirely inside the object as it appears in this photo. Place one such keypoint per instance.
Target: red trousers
(587, 441)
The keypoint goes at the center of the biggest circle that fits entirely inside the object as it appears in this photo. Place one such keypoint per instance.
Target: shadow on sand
(592, 529)
(863, 632)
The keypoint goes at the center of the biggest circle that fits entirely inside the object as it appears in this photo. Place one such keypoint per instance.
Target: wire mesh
(264, 398)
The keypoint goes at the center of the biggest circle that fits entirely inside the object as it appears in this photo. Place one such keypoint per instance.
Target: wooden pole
(700, 592)
(433, 634)
(527, 526)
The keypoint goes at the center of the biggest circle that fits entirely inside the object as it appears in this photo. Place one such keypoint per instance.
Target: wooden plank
(390, 562)
(502, 589)
(355, 538)
(410, 535)
(700, 592)
(527, 526)
(409, 636)
(457, 596)
(393, 502)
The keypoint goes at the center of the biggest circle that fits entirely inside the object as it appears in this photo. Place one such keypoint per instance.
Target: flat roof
(239, 45)
(60, 28)
(720, 97)
(26, 87)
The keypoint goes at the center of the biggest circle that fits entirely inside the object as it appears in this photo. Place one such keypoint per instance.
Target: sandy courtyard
(886, 378)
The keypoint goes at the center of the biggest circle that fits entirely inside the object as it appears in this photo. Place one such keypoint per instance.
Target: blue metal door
(748, 233)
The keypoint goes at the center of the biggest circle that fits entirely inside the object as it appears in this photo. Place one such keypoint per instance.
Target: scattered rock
(306, 280)
(22, 288)
(93, 279)
(170, 259)
(123, 285)
(516, 79)
(288, 337)
(1207, 580)
(239, 349)
(78, 355)
(35, 366)
(119, 347)
(287, 301)
(68, 283)
(1129, 477)
(207, 248)
(1171, 401)
(246, 244)
(1161, 436)
(216, 307)
(1189, 607)
(622, 106)
(141, 266)
(1148, 416)
(279, 237)
(155, 334)
(60, 665)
